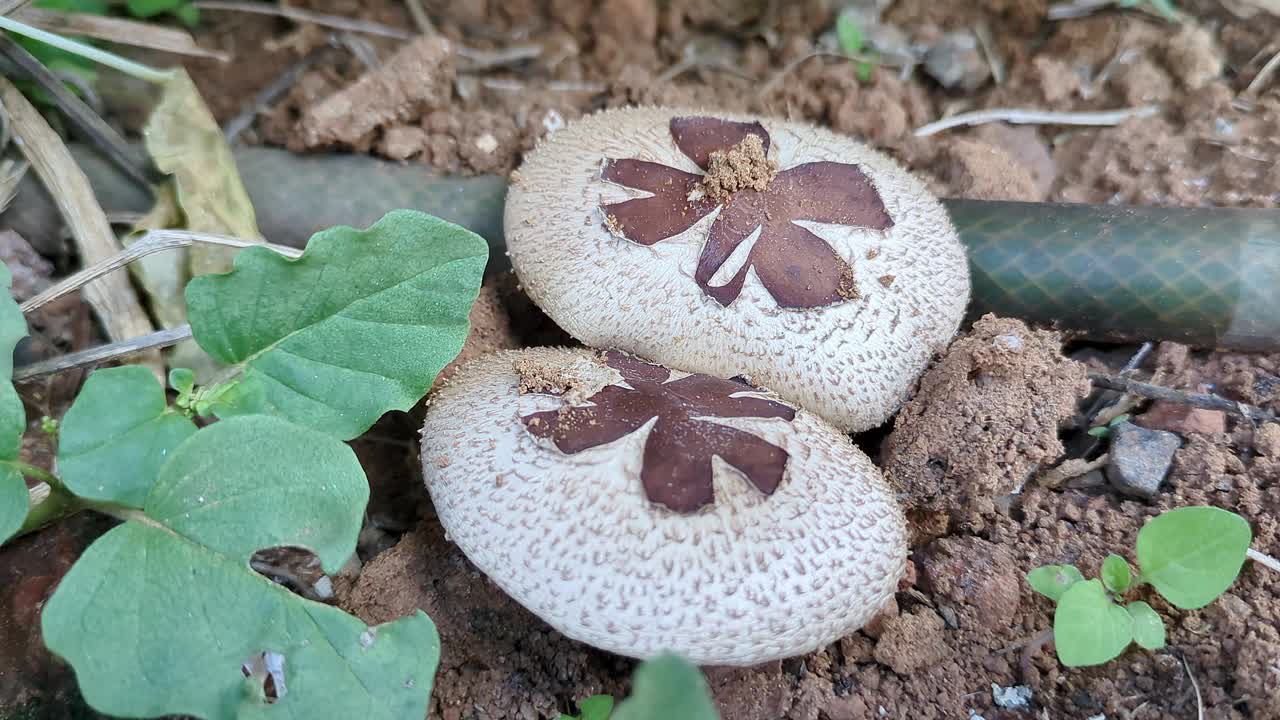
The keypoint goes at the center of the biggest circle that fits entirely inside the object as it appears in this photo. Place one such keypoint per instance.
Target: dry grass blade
(118, 30)
(1264, 559)
(1019, 116)
(332, 21)
(112, 297)
(9, 7)
(76, 111)
(11, 171)
(153, 241)
(149, 343)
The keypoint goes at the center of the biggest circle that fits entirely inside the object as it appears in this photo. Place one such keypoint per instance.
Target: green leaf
(172, 624)
(1053, 580)
(258, 481)
(1123, 417)
(596, 707)
(1148, 627)
(182, 380)
(1099, 432)
(849, 34)
(188, 15)
(667, 687)
(13, 416)
(117, 435)
(361, 324)
(151, 8)
(1191, 555)
(1115, 573)
(1089, 629)
(176, 611)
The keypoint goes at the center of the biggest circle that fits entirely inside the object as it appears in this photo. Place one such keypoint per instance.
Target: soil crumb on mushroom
(575, 381)
(985, 418)
(745, 166)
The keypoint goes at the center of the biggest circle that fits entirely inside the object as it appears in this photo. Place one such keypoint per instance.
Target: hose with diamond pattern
(1206, 277)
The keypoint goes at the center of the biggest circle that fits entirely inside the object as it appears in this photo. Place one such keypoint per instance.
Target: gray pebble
(1139, 459)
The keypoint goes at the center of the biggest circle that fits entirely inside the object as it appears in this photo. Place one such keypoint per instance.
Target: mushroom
(731, 245)
(640, 509)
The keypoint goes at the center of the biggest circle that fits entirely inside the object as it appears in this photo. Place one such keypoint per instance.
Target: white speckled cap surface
(784, 536)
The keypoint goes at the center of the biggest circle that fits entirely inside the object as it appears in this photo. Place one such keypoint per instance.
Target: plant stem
(49, 502)
(111, 60)
(1263, 559)
(32, 471)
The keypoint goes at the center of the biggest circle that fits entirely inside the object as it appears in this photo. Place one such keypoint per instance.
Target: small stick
(1262, 77)
(153, 241)
(81, 116)
(270, 93)
(112, 297)
(1263, 559)
(420, 17)
(983, 32)
(306, 16)
(118, 30)
(103, 353)
(786, 70)
(1207, 401)
(1194, 686)
(1077, 8)
(488, 59)
(1028, 655)
(1021, 116)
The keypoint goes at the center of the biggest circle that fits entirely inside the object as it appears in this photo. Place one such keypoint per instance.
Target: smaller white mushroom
(641, 509)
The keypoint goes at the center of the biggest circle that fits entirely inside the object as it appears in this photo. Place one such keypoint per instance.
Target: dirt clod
(985, 418)
(419, 75)
(978, 578)
(911, 641)
(744, 166)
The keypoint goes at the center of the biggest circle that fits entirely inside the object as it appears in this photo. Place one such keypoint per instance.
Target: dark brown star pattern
(796, 267)
(676, 470)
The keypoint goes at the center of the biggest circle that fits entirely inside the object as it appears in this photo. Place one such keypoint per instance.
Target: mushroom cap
(585, 537)
(855, 278)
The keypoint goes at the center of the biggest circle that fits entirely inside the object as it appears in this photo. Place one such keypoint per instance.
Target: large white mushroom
(735, 245)
(640, 509)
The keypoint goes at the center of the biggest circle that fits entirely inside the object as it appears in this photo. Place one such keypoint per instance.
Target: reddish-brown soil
(960, 626)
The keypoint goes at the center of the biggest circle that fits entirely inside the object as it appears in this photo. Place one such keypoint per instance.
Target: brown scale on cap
(797, 268)
(676, 471)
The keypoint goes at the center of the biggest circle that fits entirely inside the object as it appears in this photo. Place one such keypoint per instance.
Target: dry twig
(102, 135)
(1264, 559)
(111, 296)
(1262, 78)
(1207, 401)
(1195, 685)
(118, 30)
(1023, 116)
(337, 22)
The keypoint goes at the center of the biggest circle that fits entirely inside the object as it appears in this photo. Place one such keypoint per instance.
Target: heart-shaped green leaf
(1191, 555)
(1089, 629)
(117, 434)
(1115, 573)
(1053, 580)
(156, 625)
(361, 324)
(667, 687)
(13, 417)
(258, 481)
(176, 615)
(1148, 627)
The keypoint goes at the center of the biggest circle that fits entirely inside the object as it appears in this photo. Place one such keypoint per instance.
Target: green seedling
(1190, 556)
(1104, 431)
(181, 624)
(853, 42)
(1164, 8)
(665, 687)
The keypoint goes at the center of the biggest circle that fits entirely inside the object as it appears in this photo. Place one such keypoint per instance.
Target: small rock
(849, 707)
(402, 142)
(978, 576)
(1266, 440)
(1091, 479)
(956, 61)
(1025, 147)
(1182, 419)
(1139, 459)
(1016, 697)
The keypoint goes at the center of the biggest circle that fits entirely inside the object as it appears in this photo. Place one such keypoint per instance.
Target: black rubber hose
(1203, 276)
